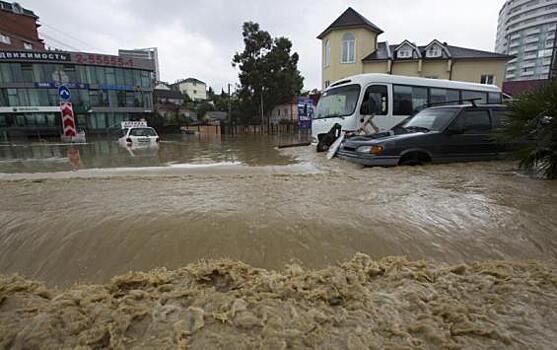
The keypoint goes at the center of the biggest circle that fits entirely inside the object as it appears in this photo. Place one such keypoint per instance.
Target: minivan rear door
(469, 138)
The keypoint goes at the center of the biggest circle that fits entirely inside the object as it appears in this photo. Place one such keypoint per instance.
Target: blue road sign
(64, 93)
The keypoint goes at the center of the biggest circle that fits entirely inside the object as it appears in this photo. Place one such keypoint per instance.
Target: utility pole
(229, 108)
(262, 120)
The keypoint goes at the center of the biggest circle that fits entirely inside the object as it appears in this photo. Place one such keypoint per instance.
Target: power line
(60, 42)
(88, 45)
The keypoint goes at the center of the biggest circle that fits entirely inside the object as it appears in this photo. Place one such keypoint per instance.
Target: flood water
(89, 212)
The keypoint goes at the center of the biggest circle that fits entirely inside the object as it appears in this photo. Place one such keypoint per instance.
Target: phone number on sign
(105, 60)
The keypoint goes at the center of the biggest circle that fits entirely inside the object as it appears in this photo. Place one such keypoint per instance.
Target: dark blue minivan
(437, 134)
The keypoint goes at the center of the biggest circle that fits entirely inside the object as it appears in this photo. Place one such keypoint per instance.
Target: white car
(138, 136)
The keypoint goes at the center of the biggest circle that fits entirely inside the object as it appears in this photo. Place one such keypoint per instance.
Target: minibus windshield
(338, 102)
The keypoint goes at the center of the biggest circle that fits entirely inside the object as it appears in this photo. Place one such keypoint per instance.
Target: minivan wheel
(414, 159)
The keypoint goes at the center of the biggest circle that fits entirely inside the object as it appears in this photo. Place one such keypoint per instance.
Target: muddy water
(244, 199)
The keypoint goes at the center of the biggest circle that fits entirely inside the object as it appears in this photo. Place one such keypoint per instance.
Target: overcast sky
(198, 38)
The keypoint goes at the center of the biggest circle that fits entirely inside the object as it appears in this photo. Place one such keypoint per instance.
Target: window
(433, 51)
(487, 79)
(338, 102)
(494, 97)
(474, 122)
(5, 39)
(327, 56)
(408, 100)
(27, 46)
(375, 101)
(348, 48)
(478, 97)
(444, 96)
(406, 53)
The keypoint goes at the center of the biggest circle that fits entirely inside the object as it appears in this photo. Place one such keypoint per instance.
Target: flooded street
(293, 226)
(242, 198)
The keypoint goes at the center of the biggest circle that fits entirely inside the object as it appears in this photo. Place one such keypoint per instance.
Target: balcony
(533, 39)
(515, 36)
(528, 64)
(531, 48)
(527, 73)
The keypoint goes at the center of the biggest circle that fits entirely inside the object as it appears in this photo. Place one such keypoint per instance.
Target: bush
(533, 115)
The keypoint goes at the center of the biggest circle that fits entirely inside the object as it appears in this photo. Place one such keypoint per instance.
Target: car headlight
(375, 150)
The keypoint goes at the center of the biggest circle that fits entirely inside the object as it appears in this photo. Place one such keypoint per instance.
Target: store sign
(104, 60)
(51, 85)
(35, 56)
(115, 87)
(29, 109)
(77, 58)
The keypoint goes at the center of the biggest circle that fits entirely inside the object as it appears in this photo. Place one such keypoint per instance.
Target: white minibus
(391, 98)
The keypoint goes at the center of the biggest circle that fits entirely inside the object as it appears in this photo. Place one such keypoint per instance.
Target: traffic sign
(68, 122)
(64, 93)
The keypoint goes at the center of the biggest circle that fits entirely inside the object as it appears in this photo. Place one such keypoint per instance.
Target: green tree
(268, 71)
(202, 109)
(533, 116)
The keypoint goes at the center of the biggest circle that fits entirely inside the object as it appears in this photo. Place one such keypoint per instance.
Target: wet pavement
(67, 218)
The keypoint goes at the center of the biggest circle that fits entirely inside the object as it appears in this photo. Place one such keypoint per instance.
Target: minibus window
(443, 97)
(478, 96)
(408, 100)
(375, 101)
(494, 97)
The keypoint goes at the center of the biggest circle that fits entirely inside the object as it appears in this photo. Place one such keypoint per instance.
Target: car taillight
(129, 140)
(158, 139)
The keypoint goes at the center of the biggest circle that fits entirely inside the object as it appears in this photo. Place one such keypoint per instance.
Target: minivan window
(474, 122)
(378, 94)
(338, 102)
(408, 100)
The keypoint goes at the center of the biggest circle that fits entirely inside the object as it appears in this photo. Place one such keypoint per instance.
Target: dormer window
(433, 51)
(348, 48)
(405, 53)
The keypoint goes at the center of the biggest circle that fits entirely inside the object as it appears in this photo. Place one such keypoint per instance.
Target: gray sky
(199, 38)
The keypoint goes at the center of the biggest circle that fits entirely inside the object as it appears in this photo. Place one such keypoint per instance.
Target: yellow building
(350, 46)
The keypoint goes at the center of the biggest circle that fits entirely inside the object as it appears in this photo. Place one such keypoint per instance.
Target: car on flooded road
(442, 134)
(138, 137)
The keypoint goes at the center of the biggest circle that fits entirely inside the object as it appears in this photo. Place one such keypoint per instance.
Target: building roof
(170, 94)
(385, 51)
(350, 18)
(189, 80)
(16, 8)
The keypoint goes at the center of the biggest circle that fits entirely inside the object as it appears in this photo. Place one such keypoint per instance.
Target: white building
(194, 88)
(150, 53)
(526, 30)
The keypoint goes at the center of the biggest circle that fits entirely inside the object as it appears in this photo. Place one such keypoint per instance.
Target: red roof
(515, 88)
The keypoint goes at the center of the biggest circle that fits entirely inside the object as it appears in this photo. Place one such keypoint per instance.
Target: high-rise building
(150, 53)
(526, 30)
(18, 28)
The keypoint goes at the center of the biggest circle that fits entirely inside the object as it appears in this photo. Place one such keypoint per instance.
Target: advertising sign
(133, 124)
(305, 112)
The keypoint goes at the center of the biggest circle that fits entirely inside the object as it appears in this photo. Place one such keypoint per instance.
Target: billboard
(305, 112)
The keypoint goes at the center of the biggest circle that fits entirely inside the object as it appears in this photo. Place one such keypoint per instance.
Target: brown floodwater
(113, 210)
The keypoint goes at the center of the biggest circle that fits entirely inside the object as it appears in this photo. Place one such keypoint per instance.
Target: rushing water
(69, 216)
